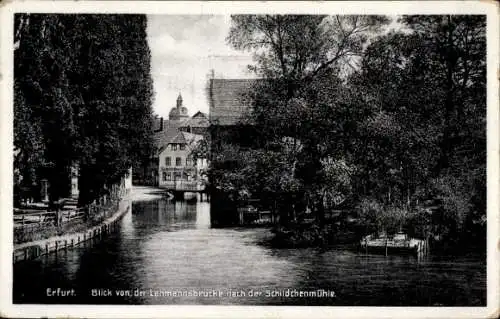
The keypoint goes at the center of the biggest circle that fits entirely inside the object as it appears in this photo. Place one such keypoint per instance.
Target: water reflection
(167, 245)
(203, 215)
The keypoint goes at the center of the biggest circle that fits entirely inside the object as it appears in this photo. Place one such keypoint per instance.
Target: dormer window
(174, 147)
(182, 147)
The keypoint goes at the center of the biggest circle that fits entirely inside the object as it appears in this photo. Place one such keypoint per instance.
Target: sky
(184, 48)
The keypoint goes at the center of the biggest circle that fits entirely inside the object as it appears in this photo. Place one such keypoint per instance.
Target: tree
(424, 136)
(455, 48)
(404, 111)
(43, 95)
(90, 92)
(293, 52)
(115, 121)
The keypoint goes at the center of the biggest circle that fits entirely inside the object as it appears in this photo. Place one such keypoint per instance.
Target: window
(169, 177)
(168, 161)
(174, 147)
(188, 161)
(164, 176)
(177, 176)
(182, 147)
(178, 161)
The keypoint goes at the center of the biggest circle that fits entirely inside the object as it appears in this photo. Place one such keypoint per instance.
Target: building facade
(179, 169)
(229, 125)
(173, 163)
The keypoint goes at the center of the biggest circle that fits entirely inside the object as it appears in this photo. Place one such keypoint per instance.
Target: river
(166, 252)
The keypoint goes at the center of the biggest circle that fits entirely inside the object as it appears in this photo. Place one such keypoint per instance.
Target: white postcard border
(156, 7)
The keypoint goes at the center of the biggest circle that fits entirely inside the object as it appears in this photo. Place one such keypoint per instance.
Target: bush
(302, 235)
(418, 224)
(369, 209)
(388, 218)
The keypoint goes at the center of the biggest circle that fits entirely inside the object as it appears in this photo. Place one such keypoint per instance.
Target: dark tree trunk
(59, 183)
(451, 60)
(87, 186)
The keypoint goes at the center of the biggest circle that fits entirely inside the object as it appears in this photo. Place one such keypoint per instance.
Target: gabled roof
(170, 130)
(228, 101)
(181, 138)
(191, 138)
(198, 120)
(178, 139)
(200, 114)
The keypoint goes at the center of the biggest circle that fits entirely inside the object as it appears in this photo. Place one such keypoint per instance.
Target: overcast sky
(184, 49)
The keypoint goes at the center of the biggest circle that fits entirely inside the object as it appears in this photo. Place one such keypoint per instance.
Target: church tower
(179, 101)
(179, 112)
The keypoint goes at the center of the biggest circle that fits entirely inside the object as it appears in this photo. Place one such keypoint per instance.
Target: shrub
(389, 218)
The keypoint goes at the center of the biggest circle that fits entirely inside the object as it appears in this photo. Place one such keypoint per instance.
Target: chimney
(158, 128)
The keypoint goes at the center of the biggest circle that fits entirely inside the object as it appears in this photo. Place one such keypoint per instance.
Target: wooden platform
(399, 244)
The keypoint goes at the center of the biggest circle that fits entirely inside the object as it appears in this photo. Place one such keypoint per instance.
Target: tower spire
(179, 100)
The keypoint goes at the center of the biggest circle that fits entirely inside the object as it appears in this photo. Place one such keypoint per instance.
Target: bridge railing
(183, 185)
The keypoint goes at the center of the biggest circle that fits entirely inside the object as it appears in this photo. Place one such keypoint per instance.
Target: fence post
(58, 222)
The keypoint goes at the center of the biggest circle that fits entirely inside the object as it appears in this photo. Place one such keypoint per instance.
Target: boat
(400, 243)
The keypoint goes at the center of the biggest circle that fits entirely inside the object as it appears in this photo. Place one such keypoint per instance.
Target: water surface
(165, 252)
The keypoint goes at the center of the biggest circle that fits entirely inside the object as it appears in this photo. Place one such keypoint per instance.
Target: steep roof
(170, 130)
(181, 138)
(178, 139)
(200, 114)
(198, 120)
(191, 137)
(228, 103)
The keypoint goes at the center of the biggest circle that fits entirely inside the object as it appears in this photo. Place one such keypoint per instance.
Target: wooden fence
(40, 225)
(48, 218)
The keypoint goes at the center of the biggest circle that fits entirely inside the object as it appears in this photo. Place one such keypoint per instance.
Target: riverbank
(33, 249)
(312, 235)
